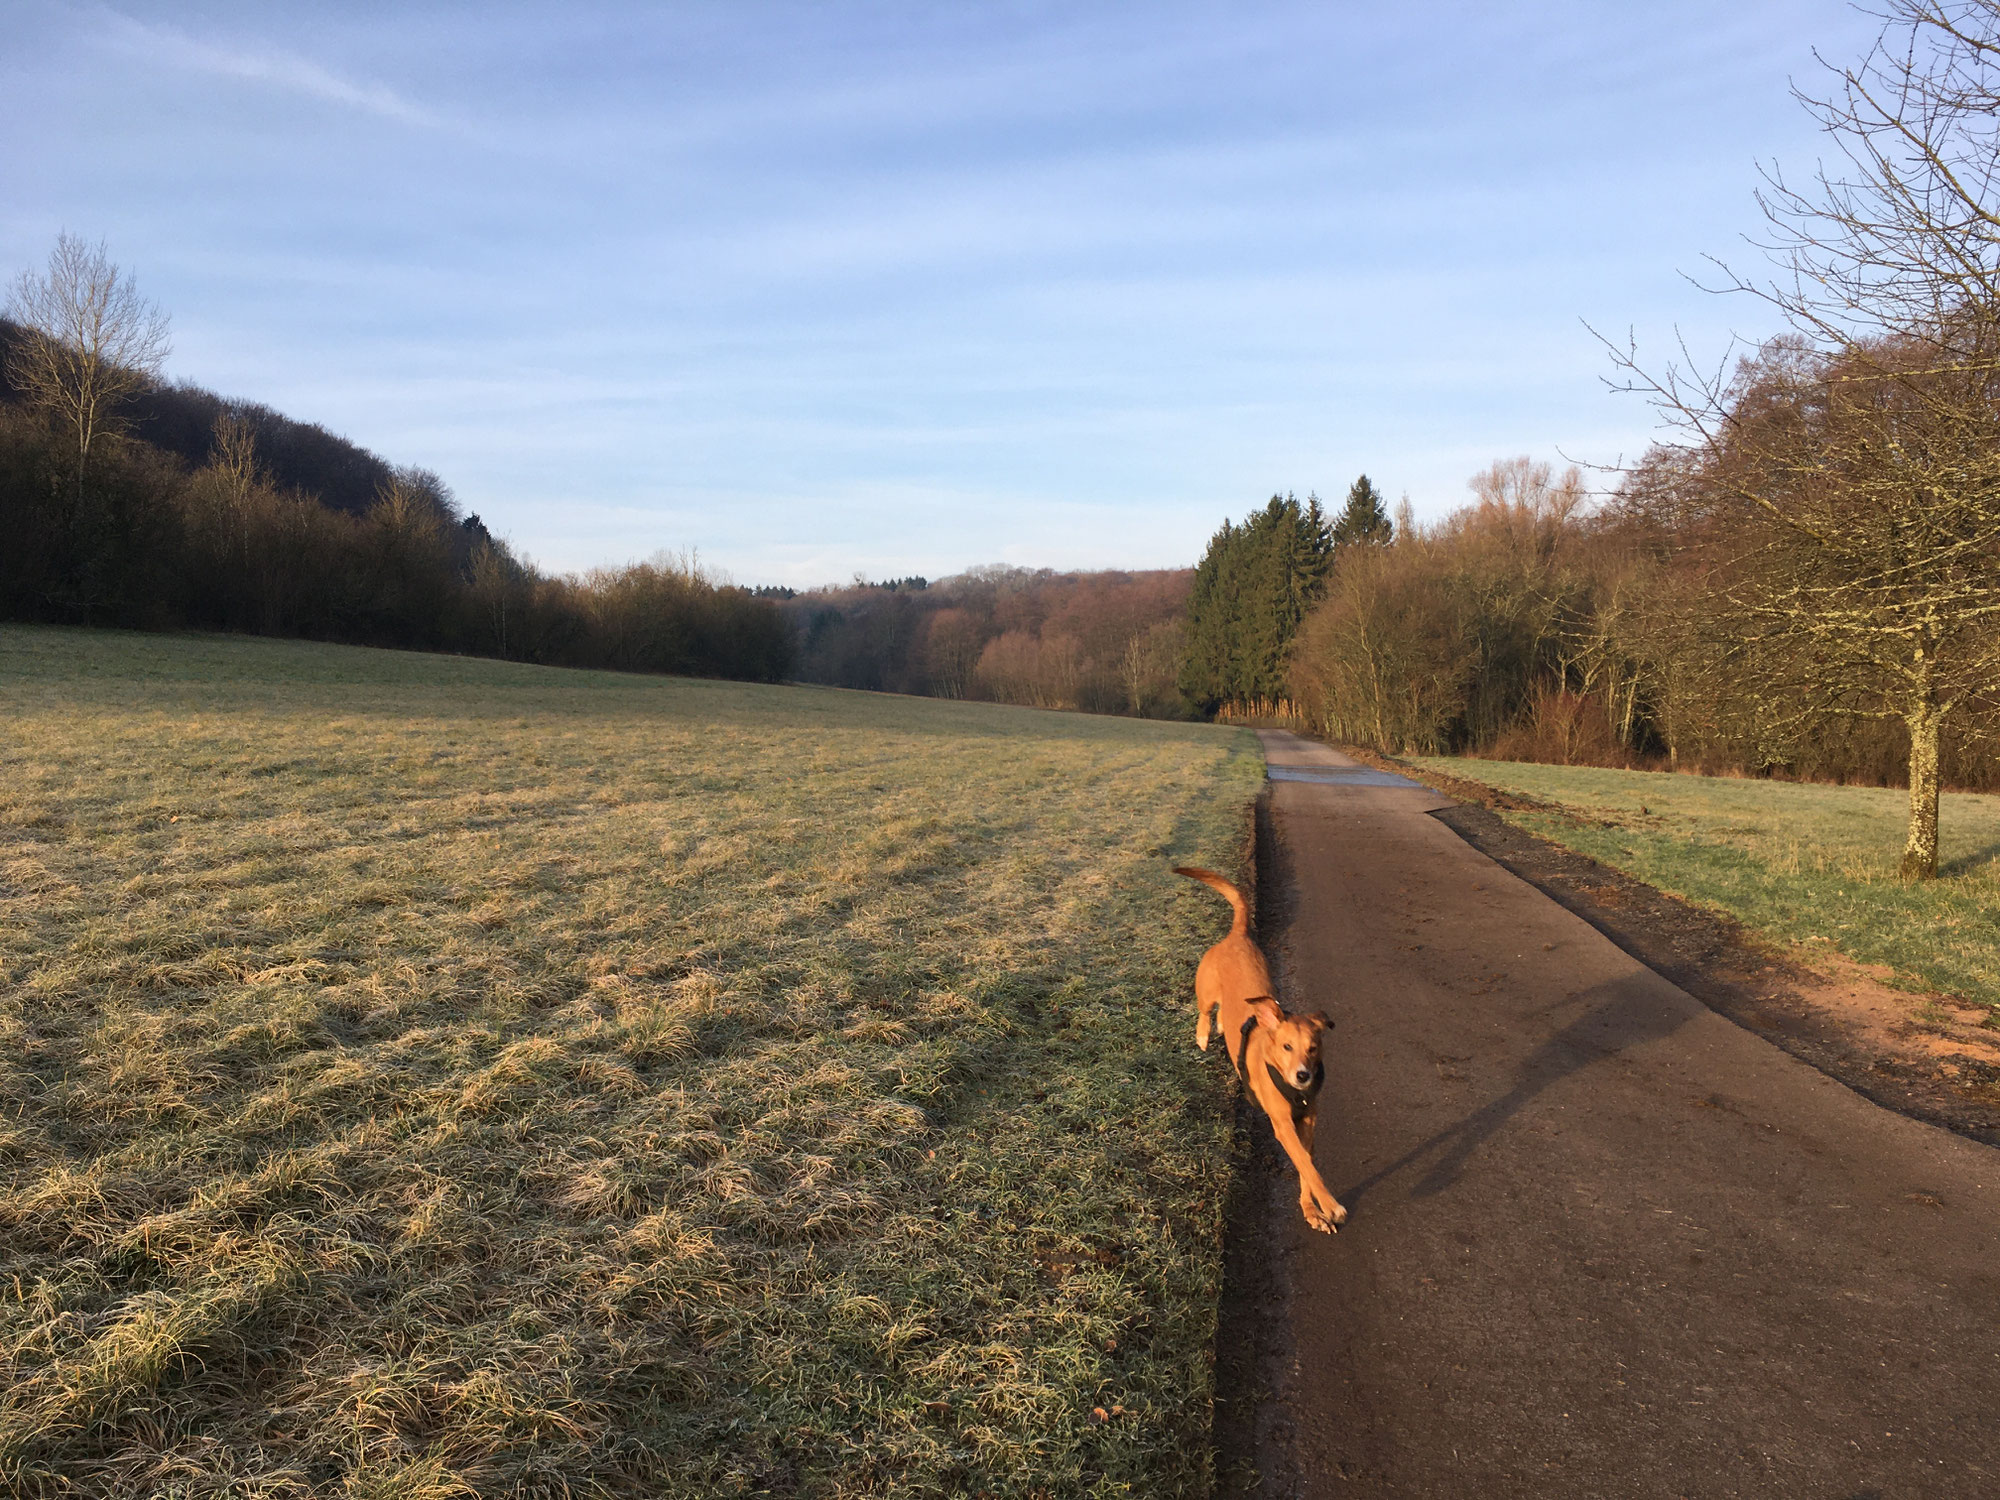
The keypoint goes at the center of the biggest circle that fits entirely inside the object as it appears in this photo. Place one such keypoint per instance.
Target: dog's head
(1292, 1041)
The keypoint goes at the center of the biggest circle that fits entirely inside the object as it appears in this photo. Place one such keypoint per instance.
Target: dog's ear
(1322, 1020)
(1267, 1013)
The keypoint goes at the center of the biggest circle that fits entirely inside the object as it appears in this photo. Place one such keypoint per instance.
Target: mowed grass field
(425, 1077)
(1796, 863)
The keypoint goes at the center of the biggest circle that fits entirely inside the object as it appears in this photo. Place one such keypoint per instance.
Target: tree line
(1672, 623)
(127, 501)
(1101, 642)
(1538, 623)
(1802, 580)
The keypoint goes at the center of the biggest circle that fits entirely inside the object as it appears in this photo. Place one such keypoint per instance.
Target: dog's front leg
(1316, 1201)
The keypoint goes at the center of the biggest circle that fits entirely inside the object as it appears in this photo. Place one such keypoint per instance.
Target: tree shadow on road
(1619, 1015)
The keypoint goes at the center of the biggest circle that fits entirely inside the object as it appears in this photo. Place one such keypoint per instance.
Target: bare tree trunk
(1133, 665)
(1920, 854)
(1375, 695)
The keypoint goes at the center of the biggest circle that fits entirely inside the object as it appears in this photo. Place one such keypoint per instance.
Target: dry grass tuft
(423, 1077)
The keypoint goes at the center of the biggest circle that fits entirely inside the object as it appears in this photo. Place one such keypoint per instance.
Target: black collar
(1298, 1098)
(1301, 1100)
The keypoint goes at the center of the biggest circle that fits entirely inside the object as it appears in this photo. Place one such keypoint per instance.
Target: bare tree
(237, 479)
(494, 585)
(1854, 466)
(952, 645)
(90, 340)
(1386, 657)
(1148, 663)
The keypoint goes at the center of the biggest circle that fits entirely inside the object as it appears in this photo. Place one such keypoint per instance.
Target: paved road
(1604, 1243)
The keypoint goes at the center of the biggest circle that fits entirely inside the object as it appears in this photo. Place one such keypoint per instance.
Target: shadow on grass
(1965, 864)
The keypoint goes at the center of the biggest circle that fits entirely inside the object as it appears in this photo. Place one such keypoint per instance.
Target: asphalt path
(1603, 1242)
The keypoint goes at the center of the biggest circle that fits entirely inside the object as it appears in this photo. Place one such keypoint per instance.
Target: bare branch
(91, 340)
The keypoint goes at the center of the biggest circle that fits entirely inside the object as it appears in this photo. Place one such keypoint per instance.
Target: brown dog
(1276, 1055)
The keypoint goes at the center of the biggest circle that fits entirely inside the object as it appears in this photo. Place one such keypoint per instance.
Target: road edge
(1708, 954)
(1254, 1344)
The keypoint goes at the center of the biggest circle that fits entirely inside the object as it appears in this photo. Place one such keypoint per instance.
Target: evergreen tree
(1364, 519)
(1251, 590)
(1212, 612)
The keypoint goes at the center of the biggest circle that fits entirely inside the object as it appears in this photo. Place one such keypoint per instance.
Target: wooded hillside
(173, 507)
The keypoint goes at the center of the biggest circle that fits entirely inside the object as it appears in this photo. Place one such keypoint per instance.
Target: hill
(195, 511)
(180, 420)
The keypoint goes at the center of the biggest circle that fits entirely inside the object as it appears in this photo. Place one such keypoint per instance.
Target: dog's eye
(1288, 1046)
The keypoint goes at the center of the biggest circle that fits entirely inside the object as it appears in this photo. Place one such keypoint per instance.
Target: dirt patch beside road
(1926, 1056)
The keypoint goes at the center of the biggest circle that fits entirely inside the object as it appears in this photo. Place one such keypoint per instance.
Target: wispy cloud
(173, 47)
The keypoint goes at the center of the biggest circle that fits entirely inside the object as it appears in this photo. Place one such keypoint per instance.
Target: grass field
(1796, 863)
(425, 1077)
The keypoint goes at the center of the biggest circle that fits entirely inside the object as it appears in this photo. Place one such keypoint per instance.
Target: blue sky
(828, 288)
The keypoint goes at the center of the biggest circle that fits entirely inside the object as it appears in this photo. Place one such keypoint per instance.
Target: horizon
(901, 292)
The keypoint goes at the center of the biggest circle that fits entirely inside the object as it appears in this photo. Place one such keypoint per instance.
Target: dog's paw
(1328, 1219)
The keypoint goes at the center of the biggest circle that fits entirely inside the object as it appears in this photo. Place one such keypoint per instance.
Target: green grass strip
(1794, 862)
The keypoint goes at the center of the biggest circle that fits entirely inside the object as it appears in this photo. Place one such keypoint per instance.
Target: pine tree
(1252, 588)
(1211, 619)
(1365, 519)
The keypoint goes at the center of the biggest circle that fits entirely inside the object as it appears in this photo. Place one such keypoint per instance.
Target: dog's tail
(1228, 893)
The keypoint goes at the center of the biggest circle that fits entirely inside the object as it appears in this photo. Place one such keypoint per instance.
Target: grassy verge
(1795, 863)
(424, 1077)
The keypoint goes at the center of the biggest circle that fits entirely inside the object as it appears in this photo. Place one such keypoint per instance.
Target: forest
(1102, 642)
(1542, 623)
(1538, 622)
(127, 501)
